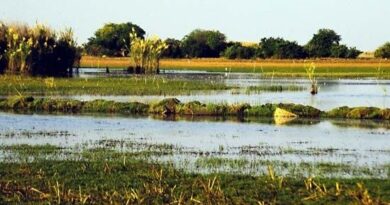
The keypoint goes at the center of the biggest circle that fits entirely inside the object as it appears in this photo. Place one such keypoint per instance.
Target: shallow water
(332, 92)
(323, 141)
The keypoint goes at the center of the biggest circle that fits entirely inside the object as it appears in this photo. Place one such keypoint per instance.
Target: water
(357, 143)
(332, 92)
(323, 141)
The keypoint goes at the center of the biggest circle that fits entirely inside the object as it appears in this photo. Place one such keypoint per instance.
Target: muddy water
(324, 141)
(332, 92)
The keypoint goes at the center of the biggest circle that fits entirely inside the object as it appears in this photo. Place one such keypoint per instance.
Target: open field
(286, 68)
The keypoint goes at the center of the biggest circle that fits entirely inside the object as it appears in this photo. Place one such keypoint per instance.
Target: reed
(311, 71)
(145, 53)
(36, 50)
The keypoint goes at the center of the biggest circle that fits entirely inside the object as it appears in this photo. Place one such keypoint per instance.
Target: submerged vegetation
(108, 176)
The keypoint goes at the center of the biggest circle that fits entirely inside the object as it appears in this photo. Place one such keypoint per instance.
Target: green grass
(137, 85)
(173, 107)
(107, 176)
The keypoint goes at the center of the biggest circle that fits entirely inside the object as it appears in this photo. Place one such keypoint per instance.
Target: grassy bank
(108, 176)
(135, 85)
(282, 68)
(172, 107)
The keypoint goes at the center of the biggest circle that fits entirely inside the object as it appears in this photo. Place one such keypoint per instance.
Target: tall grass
(310, 71)
(37, 50)
(145, 53)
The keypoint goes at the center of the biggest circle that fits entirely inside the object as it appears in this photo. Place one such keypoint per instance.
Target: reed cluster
(37, 50)
(145, 53)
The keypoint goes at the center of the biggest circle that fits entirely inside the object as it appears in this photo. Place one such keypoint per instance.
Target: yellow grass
(89, 61)
(289, 68)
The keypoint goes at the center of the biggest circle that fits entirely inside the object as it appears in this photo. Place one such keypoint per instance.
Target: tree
(173, 50)
(112, 39)
(353, 52)
(383, 51)
(339, 51)
(342, 51)
(237, 51)
(204, 43)
(280, 48)
(322, 42)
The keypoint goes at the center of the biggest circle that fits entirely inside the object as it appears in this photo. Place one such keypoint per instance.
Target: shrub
(204, 43)
(383, 51)
(237, 51)
(280, 48)
(173, 50)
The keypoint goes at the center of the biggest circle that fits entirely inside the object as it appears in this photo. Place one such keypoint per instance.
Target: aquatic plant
(106, 176)
(172, 107)
(310, 71)
(145, 53)
(36, 50)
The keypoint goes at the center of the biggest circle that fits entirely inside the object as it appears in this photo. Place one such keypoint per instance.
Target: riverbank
(172, 106)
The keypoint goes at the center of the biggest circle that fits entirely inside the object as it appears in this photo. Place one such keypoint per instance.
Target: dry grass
(330, 68)
(89, 61)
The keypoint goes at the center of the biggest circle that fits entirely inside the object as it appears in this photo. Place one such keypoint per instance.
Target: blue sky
(361, 23)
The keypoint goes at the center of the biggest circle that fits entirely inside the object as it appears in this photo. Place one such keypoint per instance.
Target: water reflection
(332, 92)
(295, 142)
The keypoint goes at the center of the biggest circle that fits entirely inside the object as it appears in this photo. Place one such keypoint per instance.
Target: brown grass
(89, 61)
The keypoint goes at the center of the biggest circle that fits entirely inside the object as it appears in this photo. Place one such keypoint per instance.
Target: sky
(361, 23)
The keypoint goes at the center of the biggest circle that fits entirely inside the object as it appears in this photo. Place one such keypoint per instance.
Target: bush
(173, 50)
(280, 48)
(342, 51)
(37, 50)
(204, 43)
(237, 51)
(383, 51)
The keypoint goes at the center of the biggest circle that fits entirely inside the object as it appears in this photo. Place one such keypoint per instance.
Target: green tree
(383, 51)
(339, 51)
(204, 43)
(280, 48)
(173, 50)
(112, 39)
(342, 51)
(237, 51)
(322, 42)
(353, 52)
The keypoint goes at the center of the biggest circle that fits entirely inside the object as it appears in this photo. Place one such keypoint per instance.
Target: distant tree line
(112, 40)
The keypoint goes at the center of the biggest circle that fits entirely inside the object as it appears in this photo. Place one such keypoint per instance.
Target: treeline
(36, 50)
(112, 40)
